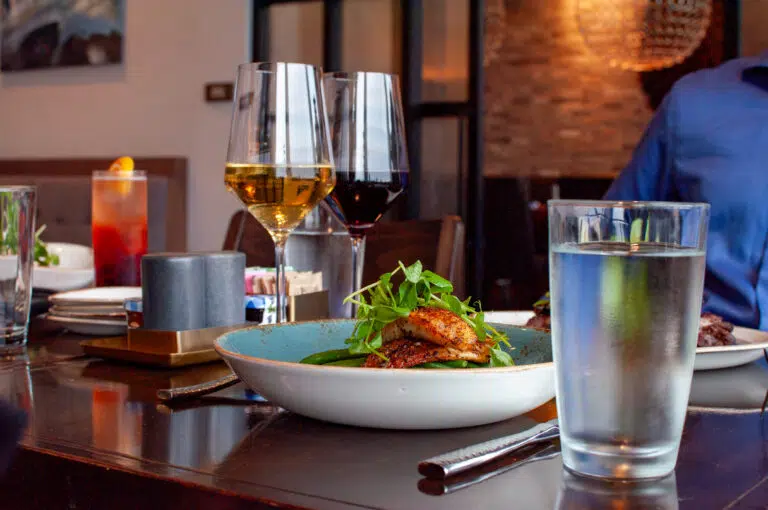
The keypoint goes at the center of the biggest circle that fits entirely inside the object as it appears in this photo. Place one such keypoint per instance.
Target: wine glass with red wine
(365, 115)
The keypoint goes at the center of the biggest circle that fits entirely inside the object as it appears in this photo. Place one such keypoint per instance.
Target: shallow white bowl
(75, 269)
(265, 358)
(72, 256)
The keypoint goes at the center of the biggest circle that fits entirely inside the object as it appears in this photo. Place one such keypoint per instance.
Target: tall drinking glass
(18, 208)
(321, 244)
(279, 162)
(118, 226)
(368, 136)
(626, 282)
(579, 493)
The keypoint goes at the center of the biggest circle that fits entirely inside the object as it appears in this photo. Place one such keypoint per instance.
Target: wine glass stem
(358, 259)
(281, 284)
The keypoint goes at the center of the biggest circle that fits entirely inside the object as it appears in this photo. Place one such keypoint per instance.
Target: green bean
(459, 363)
(351, 362)
(325, 357)
(432, 364)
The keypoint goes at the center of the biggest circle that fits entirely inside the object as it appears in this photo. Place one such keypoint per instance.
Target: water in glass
(625, 323)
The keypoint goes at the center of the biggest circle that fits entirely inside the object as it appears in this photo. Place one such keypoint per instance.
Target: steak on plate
(714, 331)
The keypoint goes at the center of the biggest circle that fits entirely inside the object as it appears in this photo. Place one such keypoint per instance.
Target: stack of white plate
(95, 311)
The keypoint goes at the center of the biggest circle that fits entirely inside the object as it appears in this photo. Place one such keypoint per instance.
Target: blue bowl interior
(292, 342)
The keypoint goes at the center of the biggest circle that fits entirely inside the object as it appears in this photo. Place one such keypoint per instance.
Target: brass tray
(116, 348)
(176, 342)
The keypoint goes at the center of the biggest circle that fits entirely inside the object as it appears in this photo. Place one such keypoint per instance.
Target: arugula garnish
(41, 255)
(541, 307)
(419, 288)
(9, 237)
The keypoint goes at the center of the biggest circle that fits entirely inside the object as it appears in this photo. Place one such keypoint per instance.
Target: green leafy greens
(41, 255)
(9, 240)
(385, 304)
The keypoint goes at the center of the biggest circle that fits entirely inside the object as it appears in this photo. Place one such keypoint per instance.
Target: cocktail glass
(119, 226)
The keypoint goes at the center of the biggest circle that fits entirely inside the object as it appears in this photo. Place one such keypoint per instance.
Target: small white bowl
(75, 269)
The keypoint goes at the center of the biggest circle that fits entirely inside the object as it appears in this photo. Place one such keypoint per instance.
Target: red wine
(360, 200)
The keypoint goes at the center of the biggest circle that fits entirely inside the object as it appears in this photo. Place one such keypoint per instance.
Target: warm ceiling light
(643, 35)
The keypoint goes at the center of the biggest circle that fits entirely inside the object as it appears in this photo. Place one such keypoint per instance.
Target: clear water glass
(626, 282)
(578, 493)
(321, 244)
(18, 208)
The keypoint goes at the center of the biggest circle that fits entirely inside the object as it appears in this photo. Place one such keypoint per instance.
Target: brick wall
(551, 106)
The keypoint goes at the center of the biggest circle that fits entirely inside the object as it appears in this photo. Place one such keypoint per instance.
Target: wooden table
(98, 439)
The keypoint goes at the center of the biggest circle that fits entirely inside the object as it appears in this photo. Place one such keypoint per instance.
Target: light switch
(217, 92)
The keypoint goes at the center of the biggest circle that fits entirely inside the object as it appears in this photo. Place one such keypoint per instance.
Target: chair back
(246, 234)
(438, 244)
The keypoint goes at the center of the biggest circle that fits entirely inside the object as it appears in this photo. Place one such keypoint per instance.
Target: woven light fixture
(643, 35)
(495, 29)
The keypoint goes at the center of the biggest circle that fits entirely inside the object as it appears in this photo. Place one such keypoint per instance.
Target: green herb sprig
(420, 287)
(541, 307)
(41, 254)
(9, 237)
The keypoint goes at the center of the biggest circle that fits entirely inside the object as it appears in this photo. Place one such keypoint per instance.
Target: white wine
(279, 196)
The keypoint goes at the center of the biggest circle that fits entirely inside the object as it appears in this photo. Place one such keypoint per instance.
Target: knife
(468, 479)
(457, 461)
(197, 390)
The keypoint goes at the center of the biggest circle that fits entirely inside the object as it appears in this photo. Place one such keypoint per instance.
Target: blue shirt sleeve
(646, 177)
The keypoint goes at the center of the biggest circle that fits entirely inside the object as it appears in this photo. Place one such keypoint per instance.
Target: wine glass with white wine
(279, 161)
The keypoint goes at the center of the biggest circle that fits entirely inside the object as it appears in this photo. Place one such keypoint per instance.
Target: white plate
(96, 296)
(89, 326)
(265, 358)
(730, 391)
(87, 310)
(75, 269)
(749, 348)
(85, 313)
(513, 318)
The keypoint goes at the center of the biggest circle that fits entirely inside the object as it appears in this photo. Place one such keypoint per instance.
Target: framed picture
(40, 34)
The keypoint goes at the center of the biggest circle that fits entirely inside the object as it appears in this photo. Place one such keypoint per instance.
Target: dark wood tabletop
(97, 438)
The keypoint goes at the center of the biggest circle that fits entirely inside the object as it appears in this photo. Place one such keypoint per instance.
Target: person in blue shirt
(708, 142)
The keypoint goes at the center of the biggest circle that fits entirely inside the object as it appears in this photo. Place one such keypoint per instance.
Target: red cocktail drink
(119, 222)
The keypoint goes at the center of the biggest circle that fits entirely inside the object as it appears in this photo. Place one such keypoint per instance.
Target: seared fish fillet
(404, 353)
(434, 325)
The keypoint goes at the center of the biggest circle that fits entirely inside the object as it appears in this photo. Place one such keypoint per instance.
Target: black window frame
(469, 113)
